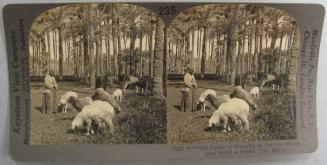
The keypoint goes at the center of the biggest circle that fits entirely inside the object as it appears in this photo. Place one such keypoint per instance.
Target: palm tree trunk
(164, 62)
(85, 54)
(158, 58)
(141, 59)
(54, 44)
(115, 39)
(192, 53)
(151, 55)
(92, 70)
(243, 58)
(203, 60)
(131, 50)
(61, 66)
(293, 65)
(120, 65)
(68, 55)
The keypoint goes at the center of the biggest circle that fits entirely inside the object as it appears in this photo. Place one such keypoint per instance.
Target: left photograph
(96, 75)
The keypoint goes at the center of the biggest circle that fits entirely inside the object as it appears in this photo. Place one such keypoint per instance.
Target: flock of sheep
(232, 111)
(96, 113)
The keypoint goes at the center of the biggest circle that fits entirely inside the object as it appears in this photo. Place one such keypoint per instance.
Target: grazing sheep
(98, 112)
(217, 101)
(64, 100)
(201, 101)
(267, 78)
(234, 110)
(131, 81)
(276, 81)
(254, 92)
(118, 94)
(240, 93)
(101, 94)
(78, 104)
(145, 85)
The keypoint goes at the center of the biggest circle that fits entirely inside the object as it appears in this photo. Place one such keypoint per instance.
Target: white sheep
(98, 112)
(64, 100)
(118, 94)
(202, 98)
(254, 92)
(234, 110)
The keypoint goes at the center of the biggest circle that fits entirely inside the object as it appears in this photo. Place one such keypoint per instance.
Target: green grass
(142, 120)
(272, 121)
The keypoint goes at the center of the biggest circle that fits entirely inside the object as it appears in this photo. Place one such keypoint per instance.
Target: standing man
(49, 93)
(188, 91)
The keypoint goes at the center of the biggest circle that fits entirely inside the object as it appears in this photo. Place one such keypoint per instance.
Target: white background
(318, 157)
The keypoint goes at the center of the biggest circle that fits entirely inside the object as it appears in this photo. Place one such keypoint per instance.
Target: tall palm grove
(90, 40)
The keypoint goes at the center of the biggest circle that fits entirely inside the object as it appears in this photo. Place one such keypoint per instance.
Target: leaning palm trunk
(292, 66)
(158, 57)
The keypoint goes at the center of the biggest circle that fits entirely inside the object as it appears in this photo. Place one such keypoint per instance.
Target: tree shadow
(213, 129)
(65, 118)
(178, 107)
(76, 132)
(203, 116)
(38, 108)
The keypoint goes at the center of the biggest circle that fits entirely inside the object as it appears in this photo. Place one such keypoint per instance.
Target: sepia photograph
(96, 75)
(232, 74)
(115, 73)
(115, 81)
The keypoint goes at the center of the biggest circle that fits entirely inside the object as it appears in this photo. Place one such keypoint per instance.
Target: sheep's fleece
(97, 111)
(101, 94)
(240, 93)
(232, 110)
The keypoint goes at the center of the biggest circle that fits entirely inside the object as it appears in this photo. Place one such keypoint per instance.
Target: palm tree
(293, 64)
(158, 58)
(56, 19)
(203, 17)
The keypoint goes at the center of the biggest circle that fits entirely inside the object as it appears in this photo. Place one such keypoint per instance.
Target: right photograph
(231, 71)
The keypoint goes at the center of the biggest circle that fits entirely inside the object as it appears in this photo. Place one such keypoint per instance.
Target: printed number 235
(167, 10)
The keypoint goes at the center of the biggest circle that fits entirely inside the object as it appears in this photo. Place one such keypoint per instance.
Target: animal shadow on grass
(203, 116)
(178, 107)
(65, 118)
(213, 129)
(38, 108)
(76, 132)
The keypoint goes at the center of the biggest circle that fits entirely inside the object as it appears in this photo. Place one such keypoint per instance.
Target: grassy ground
(272, 121)
(142, 120)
